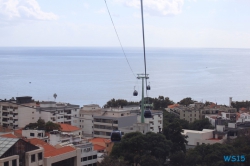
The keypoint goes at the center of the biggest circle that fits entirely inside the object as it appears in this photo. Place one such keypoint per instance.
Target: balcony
(5, 115)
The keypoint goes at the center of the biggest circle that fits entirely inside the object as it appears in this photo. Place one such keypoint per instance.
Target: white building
(18, 113)
(155, 123)
(244, 117)
(35, 134)
(98, 122)
(88, 156)
(206, 136)
(58, 112)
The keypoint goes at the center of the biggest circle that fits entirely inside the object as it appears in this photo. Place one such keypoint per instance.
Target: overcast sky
(168, 23)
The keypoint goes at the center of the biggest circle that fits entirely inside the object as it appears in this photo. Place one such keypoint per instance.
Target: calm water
(95, 75)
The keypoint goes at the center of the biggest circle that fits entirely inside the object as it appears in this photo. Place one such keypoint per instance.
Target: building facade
(18, 113)
(58, 112)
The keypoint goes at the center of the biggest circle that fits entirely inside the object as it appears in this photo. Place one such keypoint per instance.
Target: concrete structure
(244, 117)
(206, 136)
(58, 112)
(137, 127)
(98, 122)
(60, 156)
(198, 111)
(88, 155)
(35, 134)
(17, 116)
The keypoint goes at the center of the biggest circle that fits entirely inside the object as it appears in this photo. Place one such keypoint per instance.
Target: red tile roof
(18, 133)
(49, 150)
(8, 136)
(101, 140)
(57, 152)
(99, 147)
(68, 128)
(173, 106)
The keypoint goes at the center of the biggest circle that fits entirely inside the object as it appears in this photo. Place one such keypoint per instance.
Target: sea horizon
(94, 75)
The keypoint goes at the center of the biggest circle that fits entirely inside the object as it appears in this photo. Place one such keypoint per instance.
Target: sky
(86, 23)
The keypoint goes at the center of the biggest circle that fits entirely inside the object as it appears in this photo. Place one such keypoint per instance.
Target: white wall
(26, 116)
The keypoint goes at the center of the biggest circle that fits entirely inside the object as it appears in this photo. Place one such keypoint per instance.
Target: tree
(207, 155)
(50, 126)
(200, 125)
(187, 101)
(159, 103)
(111, 161)
(119, 103)
(177, 158)
(134, 147)
(173, 132)
(41, 124)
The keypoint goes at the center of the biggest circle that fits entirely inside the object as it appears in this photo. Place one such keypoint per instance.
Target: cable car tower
(143, 77)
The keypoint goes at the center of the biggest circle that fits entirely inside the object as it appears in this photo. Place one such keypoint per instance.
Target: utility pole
(142, 76)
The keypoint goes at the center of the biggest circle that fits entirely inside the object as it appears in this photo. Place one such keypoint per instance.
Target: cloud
(157, 7)
(23, 9)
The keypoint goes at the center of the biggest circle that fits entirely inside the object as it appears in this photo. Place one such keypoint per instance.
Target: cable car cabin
(135, 93)
(147, 113)
(148, 87)
(116, 136)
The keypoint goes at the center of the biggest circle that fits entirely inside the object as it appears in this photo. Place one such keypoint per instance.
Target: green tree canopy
(41, 125)
(200, 125)
(186, 101)
(111, 161)
(207, 155)
(134, 147)
(119, 103)
(50, 126)
(159, 103)
(173, 132)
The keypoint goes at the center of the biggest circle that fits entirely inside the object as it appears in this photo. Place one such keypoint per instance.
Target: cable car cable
(119, 39)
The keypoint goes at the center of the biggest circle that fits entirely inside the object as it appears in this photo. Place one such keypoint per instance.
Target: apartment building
(18, 113)
(198, 111)
(99, 122)
(58, 112)
(88, 156)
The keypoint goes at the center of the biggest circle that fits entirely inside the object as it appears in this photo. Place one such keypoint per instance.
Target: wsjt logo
(239, 158)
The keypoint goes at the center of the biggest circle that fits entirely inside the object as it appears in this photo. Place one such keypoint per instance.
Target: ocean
(95, 75)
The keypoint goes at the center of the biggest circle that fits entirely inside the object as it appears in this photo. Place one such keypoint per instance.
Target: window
(94, 164)
(184, 115)
(14, 163)
(90, 158)
(33, 158)
(32, 134)
(6, 163)
(121, 114)
(95, 156)
(40, 156)
(84, 159)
